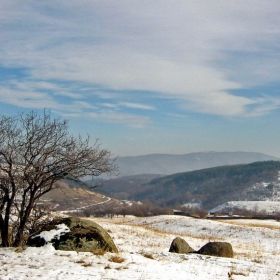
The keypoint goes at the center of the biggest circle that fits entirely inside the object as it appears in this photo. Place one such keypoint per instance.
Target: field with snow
(268, 206)
(144, 243)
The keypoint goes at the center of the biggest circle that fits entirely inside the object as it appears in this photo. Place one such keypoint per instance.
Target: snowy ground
(268, 206)
(144, 243)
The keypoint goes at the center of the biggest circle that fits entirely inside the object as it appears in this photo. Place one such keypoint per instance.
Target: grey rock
(217, 249)
(180, 246)
(84, 236)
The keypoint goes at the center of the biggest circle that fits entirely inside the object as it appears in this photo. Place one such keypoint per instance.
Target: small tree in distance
(202, 213)
(35, 153)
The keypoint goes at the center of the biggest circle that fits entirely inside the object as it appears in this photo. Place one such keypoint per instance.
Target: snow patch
(144, 243)
(268, 206)
(60, 230)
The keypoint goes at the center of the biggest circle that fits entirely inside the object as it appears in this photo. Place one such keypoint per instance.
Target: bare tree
(35, 153)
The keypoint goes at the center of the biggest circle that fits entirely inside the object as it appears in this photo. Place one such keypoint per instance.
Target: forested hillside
(124, 187)
(211, 186)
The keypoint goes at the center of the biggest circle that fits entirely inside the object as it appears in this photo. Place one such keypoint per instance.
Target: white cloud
(38, 100)
(220, 104)
(137, 106)
(267, 105)
(109, 105)
(26, 99)
(33, 86)
(130, 120)
(193, 51)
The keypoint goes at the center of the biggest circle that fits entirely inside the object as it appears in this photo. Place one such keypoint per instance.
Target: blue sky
(148, 76)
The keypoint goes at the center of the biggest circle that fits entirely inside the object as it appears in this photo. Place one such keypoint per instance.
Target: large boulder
(179, 245)
(74, 234)
(218, 249)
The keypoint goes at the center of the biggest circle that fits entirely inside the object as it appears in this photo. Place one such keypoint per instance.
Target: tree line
(138, 209)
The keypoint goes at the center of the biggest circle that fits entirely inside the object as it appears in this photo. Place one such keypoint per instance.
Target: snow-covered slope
(261, 197)
(144, 245)
(268, 207)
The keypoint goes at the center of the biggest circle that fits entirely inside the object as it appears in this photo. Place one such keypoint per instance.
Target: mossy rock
(84, 236)
(217, 249)
(180, 246)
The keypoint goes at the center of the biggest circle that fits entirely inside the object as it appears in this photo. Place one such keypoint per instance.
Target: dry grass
(83, 262)
(116, 259)
(251, 224)
(19, 249)
(146, 237)
(239, 272)
(145, 230)
(232, 273)
(99, 252)
(122, 267)
(257, 260)
(148, 255)
(198, 235)
(86, 264)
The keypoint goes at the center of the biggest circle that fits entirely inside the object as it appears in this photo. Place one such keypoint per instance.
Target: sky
(145, 77)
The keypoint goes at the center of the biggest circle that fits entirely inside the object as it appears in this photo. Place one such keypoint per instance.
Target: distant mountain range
(167, 164)
(192, 181)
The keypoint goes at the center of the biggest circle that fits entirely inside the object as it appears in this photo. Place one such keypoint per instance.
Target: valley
(144, 242)
(258, 181)
(216, 189)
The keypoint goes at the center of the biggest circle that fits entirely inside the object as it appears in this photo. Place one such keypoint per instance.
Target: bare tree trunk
(24, 216)
(4, 232)
(19, 235)
(4, 222)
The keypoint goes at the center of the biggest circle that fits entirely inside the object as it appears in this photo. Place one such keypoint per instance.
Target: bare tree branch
(36, 152)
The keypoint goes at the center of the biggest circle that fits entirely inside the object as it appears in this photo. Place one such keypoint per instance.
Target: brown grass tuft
(116, 259)
(147, 255)
(99, 252)
(83, 262)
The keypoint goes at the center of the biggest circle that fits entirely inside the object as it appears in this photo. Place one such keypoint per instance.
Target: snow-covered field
(267, 206)
(144, 243)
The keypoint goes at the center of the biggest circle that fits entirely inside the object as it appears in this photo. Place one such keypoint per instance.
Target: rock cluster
(217, 249)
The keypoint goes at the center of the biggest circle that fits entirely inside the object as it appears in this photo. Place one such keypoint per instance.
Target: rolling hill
(73, 196)
(211, 186)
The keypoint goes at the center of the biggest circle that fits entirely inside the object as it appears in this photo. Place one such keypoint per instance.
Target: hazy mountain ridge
(167, 164)
(157, 188)
(211, 186)
(214, 186)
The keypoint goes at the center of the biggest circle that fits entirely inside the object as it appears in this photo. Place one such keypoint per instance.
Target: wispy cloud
(137, 106)
(109, 105)
(130, 120)
(26, 99)
(195, 52)
(39, 100)
(266, 105)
